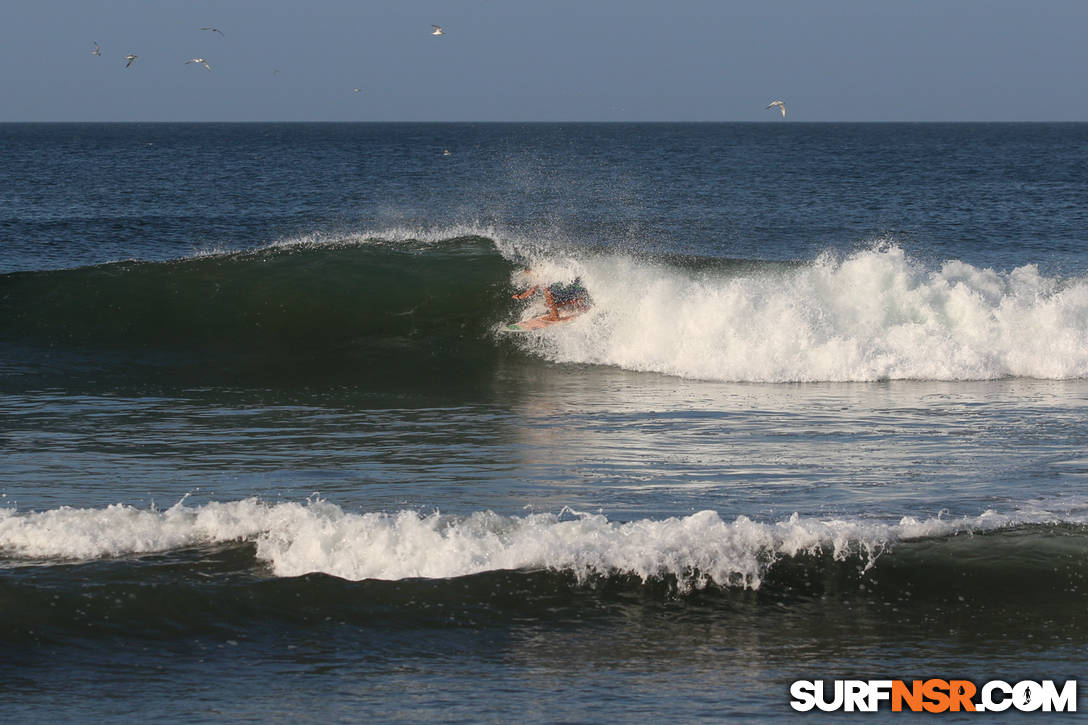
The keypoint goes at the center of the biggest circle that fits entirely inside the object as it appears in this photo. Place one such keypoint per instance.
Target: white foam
(876, 315)
(318, 536)
(119, 530)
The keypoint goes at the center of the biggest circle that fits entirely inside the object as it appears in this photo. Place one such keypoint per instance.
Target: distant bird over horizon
(437, 30)
(97, 50)
(214, 30)
(199, 61)
(781, 106)
(131, 59)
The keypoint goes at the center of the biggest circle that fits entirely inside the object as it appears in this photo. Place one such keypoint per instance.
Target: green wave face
(387, 306)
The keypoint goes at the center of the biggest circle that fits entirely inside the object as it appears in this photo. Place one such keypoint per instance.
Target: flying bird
(199, 61)
(781, 106)
(130, 58)
(214, 30)
(437, 30)
(97, 50)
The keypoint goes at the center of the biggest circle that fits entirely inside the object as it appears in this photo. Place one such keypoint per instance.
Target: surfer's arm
(527, 293)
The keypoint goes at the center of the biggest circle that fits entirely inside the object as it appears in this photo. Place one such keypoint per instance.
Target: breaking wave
(294, 539)
(875, 315)
(425, 302)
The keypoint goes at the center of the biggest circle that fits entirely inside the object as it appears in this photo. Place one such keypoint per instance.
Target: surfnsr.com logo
(933, 695)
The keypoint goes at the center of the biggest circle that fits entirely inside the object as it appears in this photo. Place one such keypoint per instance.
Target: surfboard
(539, 323)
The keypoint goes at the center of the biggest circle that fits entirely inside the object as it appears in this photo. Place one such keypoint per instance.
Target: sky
(561, 60)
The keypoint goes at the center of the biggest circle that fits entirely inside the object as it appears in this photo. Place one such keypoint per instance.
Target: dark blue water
(991, 194)
(269, 452)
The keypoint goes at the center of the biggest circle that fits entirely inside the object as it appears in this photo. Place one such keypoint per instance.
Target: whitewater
(294, 539)
(872, 315)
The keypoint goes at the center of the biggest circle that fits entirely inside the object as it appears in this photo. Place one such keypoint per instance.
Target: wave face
(285, 296)
(394, 306)
(312, 306)
(875, 315)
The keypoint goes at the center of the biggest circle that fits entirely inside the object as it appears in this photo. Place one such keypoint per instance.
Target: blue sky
(517, 60)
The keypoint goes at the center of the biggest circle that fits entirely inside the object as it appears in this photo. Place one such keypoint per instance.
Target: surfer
(560, 296)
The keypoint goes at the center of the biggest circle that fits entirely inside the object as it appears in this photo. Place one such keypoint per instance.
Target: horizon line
(567, 121)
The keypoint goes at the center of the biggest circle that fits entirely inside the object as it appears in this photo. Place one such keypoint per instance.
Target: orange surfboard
(539, 323)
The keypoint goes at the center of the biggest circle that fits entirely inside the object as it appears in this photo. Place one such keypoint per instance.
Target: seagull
(130, 58)
(437, 30)
(199, 61)
(781, 106)
(214, 30)
(97, 50)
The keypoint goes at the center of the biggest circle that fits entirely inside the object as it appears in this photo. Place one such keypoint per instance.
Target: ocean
(269, 453)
